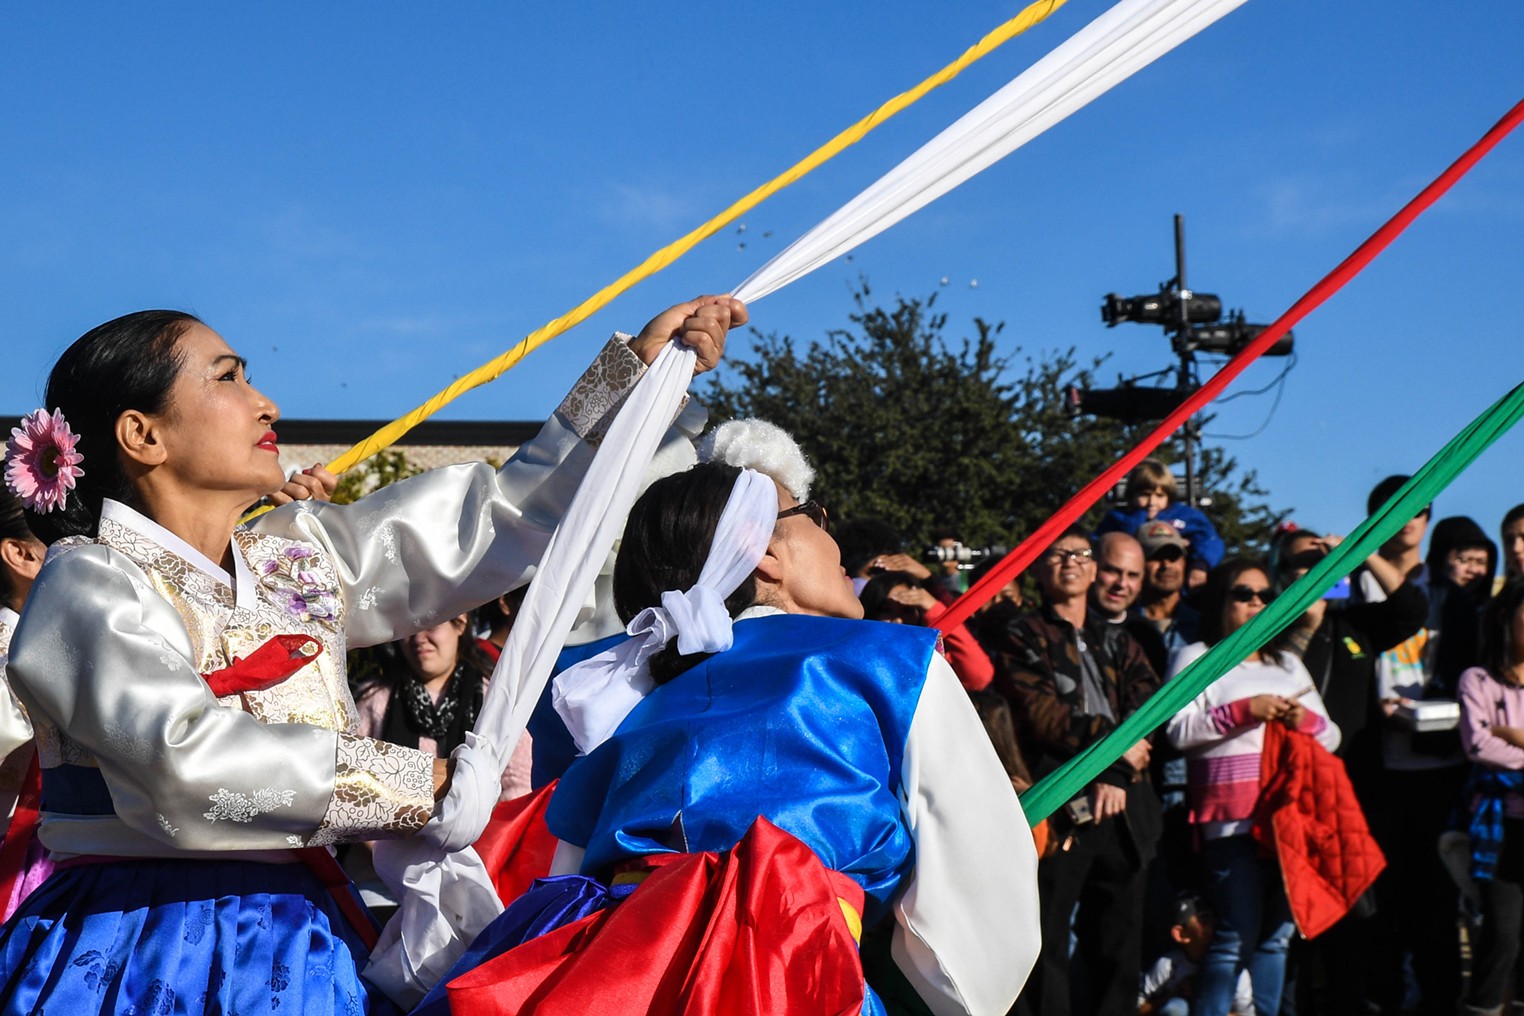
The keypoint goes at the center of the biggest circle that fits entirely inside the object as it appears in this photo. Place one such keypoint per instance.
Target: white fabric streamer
(1105, 52)
(447, 895)
(593, 697)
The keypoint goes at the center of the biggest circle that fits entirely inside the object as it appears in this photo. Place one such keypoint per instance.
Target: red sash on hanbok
(761, 928)
(18, 837)
(517, 846)
(273, 662)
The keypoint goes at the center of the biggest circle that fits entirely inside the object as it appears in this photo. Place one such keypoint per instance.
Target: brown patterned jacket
(1037, 667)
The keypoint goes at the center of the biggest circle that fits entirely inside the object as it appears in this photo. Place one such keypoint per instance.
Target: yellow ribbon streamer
(493, 369)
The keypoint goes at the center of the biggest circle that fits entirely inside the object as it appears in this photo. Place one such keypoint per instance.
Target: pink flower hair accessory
(41, 463)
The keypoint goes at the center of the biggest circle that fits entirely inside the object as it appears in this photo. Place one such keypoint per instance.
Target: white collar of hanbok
(244, 591)
(8, 618)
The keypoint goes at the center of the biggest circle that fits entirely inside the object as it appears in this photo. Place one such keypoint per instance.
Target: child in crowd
(1151, 494)
(1165, 989)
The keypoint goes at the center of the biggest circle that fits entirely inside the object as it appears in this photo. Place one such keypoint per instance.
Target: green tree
(906, 425)
(384, 467)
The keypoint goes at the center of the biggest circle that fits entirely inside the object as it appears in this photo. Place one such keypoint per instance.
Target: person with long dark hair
(1461, 562)
(750, 707)
(1512, 531)
(21, 556)
(1222, 733)
(185, 675)
(431, 695)
(1492, 733)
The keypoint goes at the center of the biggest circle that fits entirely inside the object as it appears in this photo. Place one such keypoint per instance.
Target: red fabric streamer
(1019, 559)
(758, 929)
(517, 846)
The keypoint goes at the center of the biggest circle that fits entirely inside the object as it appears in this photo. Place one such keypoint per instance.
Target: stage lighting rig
(1194, 323)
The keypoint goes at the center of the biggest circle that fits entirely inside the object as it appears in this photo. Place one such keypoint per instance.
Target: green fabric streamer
(1064, 783)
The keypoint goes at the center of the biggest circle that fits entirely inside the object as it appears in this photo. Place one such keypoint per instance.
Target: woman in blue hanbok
(753, 707)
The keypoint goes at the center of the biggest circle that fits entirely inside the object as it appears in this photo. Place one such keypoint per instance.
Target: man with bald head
(1119, 570)
(1118, 575)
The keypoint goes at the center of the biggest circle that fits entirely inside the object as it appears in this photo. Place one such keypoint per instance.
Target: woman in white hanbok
(185, 675)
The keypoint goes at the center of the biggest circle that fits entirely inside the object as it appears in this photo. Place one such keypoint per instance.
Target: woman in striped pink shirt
(1222, 735)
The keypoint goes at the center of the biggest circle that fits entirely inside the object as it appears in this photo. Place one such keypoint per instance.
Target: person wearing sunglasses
(1221, 732)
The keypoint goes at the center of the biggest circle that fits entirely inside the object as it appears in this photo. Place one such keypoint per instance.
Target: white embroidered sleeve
(438, 544)
(15, 728)
(380, 790)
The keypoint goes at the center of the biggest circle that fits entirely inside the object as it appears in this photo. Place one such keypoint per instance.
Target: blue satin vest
(803, 720)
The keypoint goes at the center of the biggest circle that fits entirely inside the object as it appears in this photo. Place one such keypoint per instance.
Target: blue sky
(369, 199)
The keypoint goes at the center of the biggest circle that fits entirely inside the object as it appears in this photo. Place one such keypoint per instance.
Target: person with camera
(898, 597)
(1339, 642)
(1071, 677)
(1421, 780)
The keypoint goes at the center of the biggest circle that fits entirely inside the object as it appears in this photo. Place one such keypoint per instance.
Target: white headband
(593, 697)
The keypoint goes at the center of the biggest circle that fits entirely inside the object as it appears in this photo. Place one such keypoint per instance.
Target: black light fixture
(1194, 323)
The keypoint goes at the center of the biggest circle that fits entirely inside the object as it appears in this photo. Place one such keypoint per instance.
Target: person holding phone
(1339, 640)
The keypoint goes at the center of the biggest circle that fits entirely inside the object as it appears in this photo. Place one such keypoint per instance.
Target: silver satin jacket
(141, 759)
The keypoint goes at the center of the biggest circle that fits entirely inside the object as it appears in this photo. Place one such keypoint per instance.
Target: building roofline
(427, 434)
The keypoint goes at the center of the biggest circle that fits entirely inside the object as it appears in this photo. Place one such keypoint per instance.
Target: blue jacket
(1206, 546)
(803, 720)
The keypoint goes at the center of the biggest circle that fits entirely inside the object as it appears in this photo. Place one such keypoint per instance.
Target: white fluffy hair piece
(765, 447)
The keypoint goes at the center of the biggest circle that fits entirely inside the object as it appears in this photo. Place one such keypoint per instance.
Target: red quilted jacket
(1308, 815)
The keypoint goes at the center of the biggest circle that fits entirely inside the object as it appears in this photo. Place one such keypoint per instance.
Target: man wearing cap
(1162, 601)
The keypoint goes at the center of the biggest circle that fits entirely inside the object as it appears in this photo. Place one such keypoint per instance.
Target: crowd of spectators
(1157, 894)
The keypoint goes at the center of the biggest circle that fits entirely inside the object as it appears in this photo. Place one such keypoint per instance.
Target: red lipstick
(268, 442)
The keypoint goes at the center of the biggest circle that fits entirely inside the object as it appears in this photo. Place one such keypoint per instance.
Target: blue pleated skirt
(155, 937)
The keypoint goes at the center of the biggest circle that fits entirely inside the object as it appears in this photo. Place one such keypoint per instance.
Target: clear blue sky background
(368, 199)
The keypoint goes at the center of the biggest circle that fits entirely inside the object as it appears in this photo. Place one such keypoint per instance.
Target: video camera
(966, 557)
